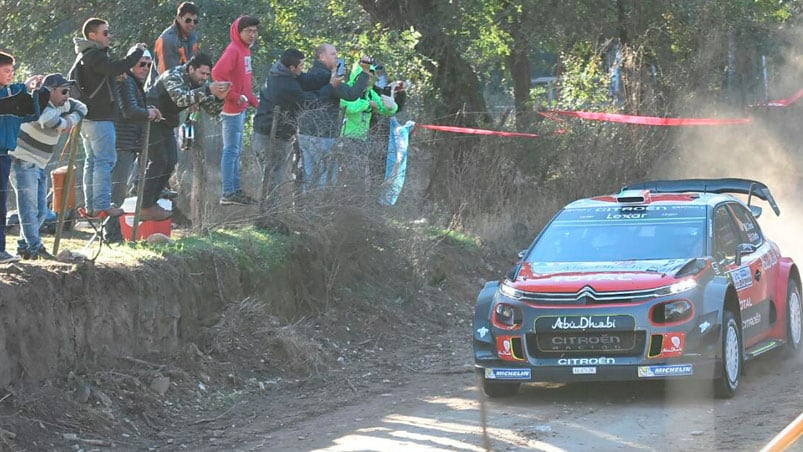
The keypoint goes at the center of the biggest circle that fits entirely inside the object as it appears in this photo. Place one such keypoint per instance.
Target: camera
(341, 67)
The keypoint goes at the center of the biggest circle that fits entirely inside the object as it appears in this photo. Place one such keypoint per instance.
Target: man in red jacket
(234, 66)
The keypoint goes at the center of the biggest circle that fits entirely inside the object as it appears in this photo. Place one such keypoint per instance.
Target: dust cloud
(769, 150)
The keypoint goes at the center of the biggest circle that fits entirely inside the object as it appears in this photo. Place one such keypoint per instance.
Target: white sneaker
(6, 258)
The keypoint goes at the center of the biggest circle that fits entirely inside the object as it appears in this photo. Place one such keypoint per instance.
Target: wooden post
(66, 190)
(143, 165)
(266, 153)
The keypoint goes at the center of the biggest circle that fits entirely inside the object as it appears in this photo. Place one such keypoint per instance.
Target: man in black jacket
(129, 127)
(95, 72)
(282, 89)
(318, 123)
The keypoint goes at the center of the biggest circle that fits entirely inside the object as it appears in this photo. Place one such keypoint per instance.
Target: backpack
(76, 92)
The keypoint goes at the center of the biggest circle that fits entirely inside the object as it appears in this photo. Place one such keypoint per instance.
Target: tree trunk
(520, 73)
(452, 76)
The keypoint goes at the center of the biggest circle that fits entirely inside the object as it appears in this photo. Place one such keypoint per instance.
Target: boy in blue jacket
(17, 106)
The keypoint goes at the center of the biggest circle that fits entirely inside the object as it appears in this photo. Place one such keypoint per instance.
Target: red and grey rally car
(666, 279)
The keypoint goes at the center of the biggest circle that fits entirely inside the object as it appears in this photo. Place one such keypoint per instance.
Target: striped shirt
(37, 140)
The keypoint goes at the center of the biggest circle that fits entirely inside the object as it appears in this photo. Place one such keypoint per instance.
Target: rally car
(669, 279)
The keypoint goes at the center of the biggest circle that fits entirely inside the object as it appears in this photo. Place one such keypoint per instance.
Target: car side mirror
(522, 253)
(744, 249)
(756, 210)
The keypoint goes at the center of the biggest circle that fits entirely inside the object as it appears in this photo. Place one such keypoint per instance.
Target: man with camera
(318, 123)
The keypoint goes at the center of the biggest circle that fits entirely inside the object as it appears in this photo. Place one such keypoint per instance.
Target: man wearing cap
(129, 127)
(95, 72)
(35, 145)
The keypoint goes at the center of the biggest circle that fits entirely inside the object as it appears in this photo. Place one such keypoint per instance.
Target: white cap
(145, 53)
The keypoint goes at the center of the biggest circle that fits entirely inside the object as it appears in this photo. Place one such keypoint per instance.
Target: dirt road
(441, 411)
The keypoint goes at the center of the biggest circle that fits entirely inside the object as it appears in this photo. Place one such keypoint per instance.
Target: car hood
(601, 276)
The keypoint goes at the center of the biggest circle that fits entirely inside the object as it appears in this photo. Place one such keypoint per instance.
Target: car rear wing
(731, 185)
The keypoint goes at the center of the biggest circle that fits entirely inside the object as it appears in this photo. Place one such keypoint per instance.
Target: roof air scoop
(633, 197)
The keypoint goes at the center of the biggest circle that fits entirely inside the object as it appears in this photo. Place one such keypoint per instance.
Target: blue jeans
(101, 156)
(5, 167)
(232, 148)
(320, 166)
(30, 183)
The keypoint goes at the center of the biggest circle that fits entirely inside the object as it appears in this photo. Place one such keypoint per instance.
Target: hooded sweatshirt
(96, 69)
(283, 89)
(235, 66)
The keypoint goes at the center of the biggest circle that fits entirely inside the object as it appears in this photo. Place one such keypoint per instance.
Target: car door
(746, 276)
(764, 269)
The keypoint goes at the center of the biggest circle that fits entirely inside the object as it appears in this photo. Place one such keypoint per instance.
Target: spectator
(35, 146)
(129, 126)
(174, 47)
(234, 67)
(358, 115)
(380, 126)
(175, 91)
(94, 72)
(17, 106)
(318, 124)
(283, 89)
(178, 42)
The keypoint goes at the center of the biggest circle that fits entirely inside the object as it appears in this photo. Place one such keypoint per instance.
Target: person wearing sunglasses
(178, 42)
(133, 113)
(35, 146)
(234, 66)
(94, 71)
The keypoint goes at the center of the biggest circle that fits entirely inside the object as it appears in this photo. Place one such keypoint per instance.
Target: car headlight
(510, 292)
(682, 286)
(507, 316)
(672, 312)
(678, 287)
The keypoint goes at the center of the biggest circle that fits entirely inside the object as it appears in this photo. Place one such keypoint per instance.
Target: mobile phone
(341, 67)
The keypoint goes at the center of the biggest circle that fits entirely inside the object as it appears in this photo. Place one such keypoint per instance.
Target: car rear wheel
(496, 389)
(731, 363)
(794, 317)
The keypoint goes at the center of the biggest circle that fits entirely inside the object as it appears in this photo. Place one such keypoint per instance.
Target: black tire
(732, 358)
(794, 319)
(495, 389)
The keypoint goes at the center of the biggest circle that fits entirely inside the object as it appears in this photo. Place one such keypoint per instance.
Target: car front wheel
(495, 389)
(731, 363)
(794, 318)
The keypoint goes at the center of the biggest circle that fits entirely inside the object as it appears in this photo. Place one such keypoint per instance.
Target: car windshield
(622, 233)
